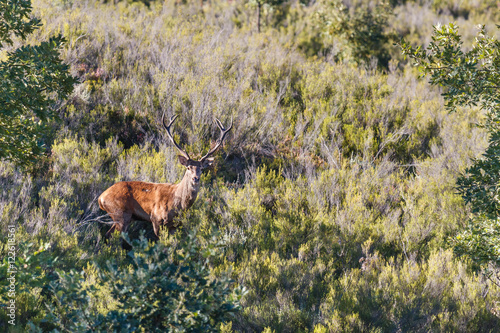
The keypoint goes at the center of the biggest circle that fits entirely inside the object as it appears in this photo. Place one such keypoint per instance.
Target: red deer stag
(153, 202)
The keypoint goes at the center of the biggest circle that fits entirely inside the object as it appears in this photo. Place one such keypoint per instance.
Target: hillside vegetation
(329, 209)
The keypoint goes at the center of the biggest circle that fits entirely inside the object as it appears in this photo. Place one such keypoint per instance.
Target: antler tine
(172, 119)
(220, 140)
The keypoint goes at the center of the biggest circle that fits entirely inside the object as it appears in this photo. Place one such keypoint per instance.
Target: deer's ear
(183, 160)
(208, 162)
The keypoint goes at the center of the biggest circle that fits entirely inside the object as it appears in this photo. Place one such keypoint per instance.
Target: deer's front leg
(158, 218)
(156, 226)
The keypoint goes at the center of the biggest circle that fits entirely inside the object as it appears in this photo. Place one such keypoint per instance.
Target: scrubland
(329, 209)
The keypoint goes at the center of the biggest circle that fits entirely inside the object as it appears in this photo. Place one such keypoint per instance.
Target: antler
(221, 139)
(172, 119)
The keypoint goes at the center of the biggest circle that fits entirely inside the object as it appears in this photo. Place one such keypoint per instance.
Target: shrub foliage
(33, 80)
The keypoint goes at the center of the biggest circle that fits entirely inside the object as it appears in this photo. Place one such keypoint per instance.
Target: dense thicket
(330, 207)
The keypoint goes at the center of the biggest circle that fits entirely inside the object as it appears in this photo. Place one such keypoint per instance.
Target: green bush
(362, 30)
(165, 288)
(34, 80)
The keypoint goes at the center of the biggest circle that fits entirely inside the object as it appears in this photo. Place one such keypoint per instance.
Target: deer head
(193, 167)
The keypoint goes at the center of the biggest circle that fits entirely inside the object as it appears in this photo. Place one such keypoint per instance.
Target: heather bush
(402, 294)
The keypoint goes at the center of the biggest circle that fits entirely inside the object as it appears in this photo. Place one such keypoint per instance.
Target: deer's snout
(196, 179)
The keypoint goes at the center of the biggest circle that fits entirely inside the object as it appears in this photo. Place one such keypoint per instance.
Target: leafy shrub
(34, 79)
(167, 287)
(30, 274)
(361, 29)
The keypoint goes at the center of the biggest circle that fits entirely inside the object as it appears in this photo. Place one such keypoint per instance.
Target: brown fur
(152, 202)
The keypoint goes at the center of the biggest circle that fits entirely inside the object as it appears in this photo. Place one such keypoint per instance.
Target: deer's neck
(186, 192)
